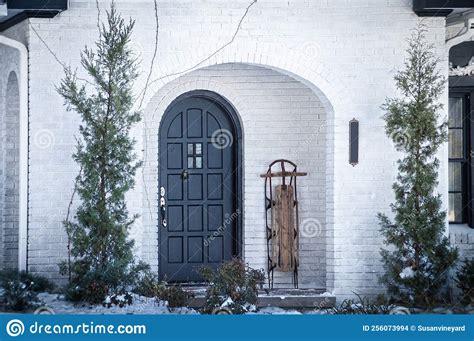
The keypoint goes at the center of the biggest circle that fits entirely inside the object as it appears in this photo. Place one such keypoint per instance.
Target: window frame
(466, 94)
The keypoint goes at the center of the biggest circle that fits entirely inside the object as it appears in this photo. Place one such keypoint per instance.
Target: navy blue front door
(198, 179)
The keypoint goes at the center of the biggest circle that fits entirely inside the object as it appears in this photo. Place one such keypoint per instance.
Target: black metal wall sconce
(353, 142)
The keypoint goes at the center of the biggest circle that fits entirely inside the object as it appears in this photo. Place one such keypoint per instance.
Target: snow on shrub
(234, 285)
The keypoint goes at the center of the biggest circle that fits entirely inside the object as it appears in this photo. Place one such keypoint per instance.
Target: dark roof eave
(26, 14)
(55, 5)
(439, 8)
(433, 12)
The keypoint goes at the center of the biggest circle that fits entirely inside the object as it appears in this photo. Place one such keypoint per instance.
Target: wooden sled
(281, 218)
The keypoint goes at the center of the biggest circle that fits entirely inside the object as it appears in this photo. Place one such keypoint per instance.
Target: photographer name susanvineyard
(451, 329)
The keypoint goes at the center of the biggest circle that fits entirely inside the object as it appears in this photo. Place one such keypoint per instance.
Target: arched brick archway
(198, 80)
(316, 75)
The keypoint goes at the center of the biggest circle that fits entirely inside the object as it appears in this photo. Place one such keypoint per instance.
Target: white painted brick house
(294, 73)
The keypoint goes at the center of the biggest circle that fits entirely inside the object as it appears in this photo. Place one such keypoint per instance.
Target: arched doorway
(200, 185)
(281, 116)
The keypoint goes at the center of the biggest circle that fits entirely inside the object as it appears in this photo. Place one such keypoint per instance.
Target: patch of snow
(407, 273)
(140, 305)
(227, 302)
(143, 305)
(317, 312)
(251, 307)
(326, 294)
(276, 311)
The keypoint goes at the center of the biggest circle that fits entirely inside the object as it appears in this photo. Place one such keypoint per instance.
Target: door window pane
(190, 162)
(455, 112)
(456, 143)
(198, 147)
(190, 149)
(198, 162)
(455, 177)
(455, 207)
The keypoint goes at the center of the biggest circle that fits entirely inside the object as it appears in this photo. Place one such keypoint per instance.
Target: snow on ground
(141, 305)
(276, 311)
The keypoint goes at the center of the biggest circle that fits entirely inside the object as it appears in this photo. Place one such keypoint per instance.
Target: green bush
(38, 283)
(18, 290)
(93, 291)
(416, 256)
(362, 306)
(94, 287)
(149, 285)
(101, 260)
(234, 285)
(174, 295)
(465, 281)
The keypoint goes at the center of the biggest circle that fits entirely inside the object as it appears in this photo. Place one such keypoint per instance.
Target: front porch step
(282, 298)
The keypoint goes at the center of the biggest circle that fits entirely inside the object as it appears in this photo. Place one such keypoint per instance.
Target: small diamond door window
(194, 155)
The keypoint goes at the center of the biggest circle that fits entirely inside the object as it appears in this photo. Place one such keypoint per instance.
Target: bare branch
(154, 54)
(212, 54)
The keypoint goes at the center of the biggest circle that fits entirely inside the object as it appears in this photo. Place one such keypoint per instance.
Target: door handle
(164, 223)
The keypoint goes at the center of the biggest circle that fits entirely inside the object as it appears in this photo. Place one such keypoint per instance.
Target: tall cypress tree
(102, 257)
(419, 257)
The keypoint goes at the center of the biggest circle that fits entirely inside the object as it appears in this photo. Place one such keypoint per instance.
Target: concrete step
(283, 298)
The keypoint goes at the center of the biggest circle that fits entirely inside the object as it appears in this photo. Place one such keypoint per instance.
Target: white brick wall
(344, 51)
(9, 156)
(462, 237)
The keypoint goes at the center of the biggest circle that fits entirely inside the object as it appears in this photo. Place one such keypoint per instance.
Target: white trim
(467, 70)
(23, 176)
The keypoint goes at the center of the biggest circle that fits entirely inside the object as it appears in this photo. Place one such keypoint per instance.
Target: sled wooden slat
(284, 224)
